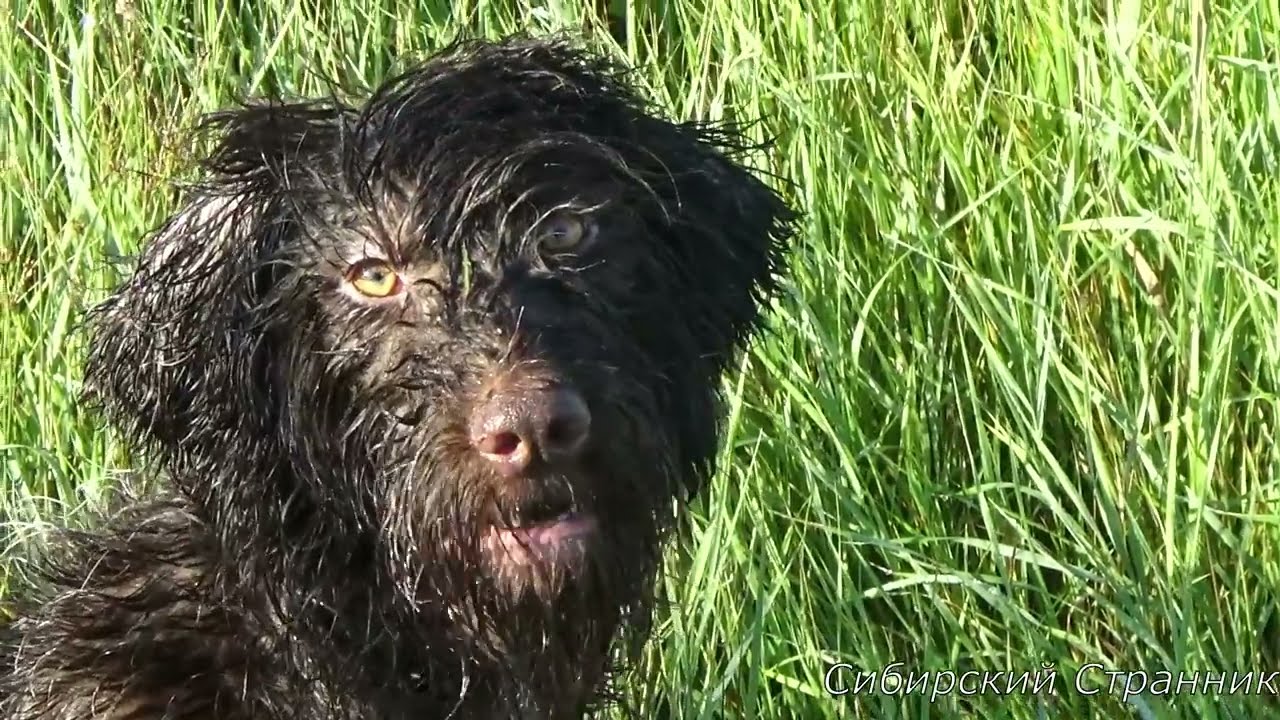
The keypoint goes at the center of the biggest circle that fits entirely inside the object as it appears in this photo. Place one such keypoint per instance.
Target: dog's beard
(537, 580)
(592, 534)
(530, 584)
(534, 538)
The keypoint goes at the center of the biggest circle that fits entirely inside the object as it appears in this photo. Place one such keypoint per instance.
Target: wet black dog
(427, 380)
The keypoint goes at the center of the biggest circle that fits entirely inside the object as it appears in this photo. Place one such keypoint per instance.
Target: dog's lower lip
(566, 526)
(561, 540)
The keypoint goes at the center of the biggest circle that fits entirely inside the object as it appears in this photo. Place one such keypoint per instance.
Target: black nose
(516, 427)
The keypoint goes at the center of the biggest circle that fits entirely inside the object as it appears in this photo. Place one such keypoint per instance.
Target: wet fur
(315, 550)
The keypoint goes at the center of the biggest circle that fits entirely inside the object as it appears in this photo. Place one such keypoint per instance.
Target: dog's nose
(517, 427)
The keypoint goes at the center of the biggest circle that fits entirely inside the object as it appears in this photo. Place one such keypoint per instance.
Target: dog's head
(469, 333)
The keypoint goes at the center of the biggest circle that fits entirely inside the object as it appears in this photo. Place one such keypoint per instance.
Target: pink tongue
(558, 531)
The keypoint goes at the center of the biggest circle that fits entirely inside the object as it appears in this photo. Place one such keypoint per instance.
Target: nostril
(567, 425)
(555, 431)
(561, 433)
(499, 443)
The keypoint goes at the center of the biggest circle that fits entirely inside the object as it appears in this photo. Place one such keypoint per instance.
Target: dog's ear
(731, 231)
(178, 348)
(727, 232)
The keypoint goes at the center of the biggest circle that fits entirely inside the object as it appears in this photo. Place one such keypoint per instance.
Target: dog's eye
(374, 278)
(563, 233)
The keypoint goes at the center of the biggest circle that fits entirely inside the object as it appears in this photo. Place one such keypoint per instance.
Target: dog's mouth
(543, 532)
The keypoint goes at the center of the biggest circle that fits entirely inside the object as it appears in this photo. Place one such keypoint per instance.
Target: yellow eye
(563, 233)
(374, 278)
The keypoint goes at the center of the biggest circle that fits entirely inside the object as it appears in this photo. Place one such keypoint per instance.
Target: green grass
(1018, 403)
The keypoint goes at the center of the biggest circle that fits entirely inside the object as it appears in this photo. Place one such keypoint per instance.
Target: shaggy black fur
(324, 548)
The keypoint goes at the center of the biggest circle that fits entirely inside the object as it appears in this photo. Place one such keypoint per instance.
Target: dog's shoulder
(121, 620)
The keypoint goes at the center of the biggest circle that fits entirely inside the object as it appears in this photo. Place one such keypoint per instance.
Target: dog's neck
(319, 592)
(379, 658)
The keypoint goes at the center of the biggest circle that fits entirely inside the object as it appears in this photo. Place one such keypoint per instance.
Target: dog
(428, 380)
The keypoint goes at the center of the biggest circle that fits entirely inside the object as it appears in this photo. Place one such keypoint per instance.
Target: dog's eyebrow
(364, 249)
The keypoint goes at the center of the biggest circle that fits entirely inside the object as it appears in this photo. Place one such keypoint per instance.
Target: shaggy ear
(177, 346)
(728, 232)
(731, 231)
(169, 345)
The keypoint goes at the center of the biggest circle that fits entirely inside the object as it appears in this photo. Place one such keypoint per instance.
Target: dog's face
(470, 333)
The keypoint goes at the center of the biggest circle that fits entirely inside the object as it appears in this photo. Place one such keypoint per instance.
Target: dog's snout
(515, 427)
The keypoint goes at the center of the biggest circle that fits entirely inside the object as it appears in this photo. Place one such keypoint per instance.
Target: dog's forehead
(437, 232)
(484, 211)
(502, 81)
(498, 125)
(461, 158)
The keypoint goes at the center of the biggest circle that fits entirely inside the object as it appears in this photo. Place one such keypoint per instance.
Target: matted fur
(317, 551)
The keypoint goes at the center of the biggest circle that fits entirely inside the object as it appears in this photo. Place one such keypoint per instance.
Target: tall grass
(1017, 406)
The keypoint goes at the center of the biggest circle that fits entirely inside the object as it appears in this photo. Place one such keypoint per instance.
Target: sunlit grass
(1017, 404)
